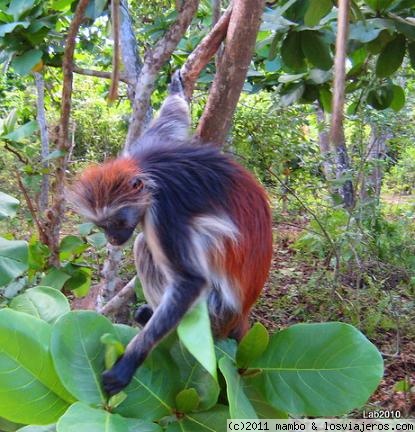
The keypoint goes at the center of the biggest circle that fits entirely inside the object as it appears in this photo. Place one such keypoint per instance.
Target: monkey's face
(120, 226)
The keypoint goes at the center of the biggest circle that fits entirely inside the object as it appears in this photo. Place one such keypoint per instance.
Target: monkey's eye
(137, 183)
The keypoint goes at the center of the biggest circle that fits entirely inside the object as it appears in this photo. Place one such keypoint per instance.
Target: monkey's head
(113, 196)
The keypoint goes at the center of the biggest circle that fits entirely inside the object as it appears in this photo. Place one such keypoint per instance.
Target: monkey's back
(193, 182)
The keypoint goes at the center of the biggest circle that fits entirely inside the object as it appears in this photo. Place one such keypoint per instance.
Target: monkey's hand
(143, 314)
(119, 376)
(176, 85)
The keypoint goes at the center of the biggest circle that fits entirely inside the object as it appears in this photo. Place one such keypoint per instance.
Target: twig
(206, 49)
(115, 75)
(98, 73)
(123, 296)
(42, 234)
(16, 153)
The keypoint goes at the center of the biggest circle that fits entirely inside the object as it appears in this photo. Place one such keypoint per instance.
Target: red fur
(107, 185)
(248, 261)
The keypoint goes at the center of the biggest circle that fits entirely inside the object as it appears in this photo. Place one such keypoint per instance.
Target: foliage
(401, 177)
(64, 360)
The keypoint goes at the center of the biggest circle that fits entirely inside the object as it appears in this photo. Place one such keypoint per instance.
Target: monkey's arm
(177, 300)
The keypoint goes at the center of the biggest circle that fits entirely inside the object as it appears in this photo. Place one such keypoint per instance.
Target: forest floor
(301, 290)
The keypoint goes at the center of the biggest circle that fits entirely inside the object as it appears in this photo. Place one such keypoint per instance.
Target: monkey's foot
(118, 377)
(143, 314)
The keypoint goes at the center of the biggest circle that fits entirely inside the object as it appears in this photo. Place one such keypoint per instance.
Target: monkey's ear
(137, 183)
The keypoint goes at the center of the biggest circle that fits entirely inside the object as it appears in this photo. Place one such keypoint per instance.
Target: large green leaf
(195, 333)
(55, 278)
(398, 101)
(151, 393)
(317, 9)
(42, 302)
(46, 428)
(24, 63)
(17, 8)
(31, 391)
(13, 259)
(391, 57)
(8, 205)
(78, 353)
(83, 418)
(239, 405)
(214, 420)
(316, 50)
(380, 97)
(193, 375)
(252, 345)
(9, 27)
(71, 245)
(22, 132)
(291, 51)
(318, 370)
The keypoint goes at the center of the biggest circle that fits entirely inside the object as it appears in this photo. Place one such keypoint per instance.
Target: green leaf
(378, 5)
(411, 53)
(71, 245)
(31, 390)
(316, 50)
(239, 405)
(42, 302)
(364, 31)
(263, 409)
(252, 345)
(380, 97)
(78, 353)
(191, 372)
(113, 349)
(273, 65)
(325, 98)
(83, 418)
(187, 400)
(46, 428)
(291, 52)
(213, 420)
(8, 206)
(398, 101)
(8, 426)
(54, 155)
(402, 385)
(24, 63)
(195, 332)
(391, 57)
(80, 280)
(97, 240)
(17, 8)
(318, 370)
(13, 259)
(9, 27)
(291, 94)
(55, 278)
(85, 228)
(151, 393)
(317, 9)
(22, 132)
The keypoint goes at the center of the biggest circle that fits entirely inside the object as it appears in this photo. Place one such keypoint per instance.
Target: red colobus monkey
(206, 230)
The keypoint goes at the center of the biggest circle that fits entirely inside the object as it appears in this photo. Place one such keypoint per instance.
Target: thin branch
(44, 139)
(202, 54)
(16, 153)
(115, 76)
(153, 62)
(125, 295)
(41, 229)
(98, 73)
(57, 211)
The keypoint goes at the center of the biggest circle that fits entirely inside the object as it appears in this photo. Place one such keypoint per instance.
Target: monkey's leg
(176, 301)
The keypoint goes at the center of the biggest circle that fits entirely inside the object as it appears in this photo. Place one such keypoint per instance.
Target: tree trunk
(44, 140)
(337, 137)
(324, 143)
(231, 72)
(371, 182)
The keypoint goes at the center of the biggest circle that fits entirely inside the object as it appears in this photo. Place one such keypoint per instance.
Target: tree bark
(371, 182)
(324, 143)
(153, 62)
(44, 140)
(56, 213)
(337, 137)
(231, 72)
(202, 54)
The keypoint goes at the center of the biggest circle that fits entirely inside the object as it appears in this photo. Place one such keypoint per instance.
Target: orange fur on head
(106, 187)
